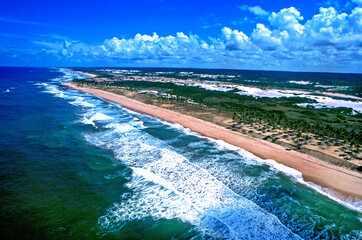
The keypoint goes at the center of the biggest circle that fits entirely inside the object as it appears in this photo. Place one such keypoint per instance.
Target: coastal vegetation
(281, 113)
(350, 84)
(335, 131)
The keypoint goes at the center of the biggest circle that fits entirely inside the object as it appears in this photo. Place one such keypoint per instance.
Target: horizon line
(197, 68)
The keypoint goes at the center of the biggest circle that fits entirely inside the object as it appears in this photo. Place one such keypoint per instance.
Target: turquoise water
(73, 166)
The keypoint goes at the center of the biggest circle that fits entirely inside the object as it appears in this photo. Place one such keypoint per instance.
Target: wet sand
(313, 170)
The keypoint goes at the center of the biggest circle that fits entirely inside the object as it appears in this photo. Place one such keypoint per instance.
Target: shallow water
(73, 166)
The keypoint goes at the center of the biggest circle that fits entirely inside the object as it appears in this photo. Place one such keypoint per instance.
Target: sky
(286, 35)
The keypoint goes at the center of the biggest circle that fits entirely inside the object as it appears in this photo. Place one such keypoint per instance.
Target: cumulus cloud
(233, 39)
(328, 41)
(257, 10)
(287, 19)
(355, 19)
(265, 38)
(329, 28)
(146, 46)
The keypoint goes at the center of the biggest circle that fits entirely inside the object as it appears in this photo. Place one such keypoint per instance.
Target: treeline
(348, 83)
(275, 112)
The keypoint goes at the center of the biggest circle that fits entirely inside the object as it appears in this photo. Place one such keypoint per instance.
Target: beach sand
(313, 170)
(84, 73)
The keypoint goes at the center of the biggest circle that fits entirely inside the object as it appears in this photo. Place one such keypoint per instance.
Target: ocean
(73, 166)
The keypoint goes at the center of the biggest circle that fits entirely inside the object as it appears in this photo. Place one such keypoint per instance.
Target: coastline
(84, 73)
(313, 170)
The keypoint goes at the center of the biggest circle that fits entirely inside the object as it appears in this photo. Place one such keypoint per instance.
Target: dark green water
(73, 166)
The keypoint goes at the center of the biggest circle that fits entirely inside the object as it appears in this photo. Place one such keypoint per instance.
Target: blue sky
(292, 35)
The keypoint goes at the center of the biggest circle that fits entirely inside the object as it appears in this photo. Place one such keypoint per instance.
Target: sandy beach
(313, 170)
(84, 73)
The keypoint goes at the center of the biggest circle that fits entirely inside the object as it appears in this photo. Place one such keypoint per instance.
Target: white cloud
(328, 41)
(66, 44)
(264, 38)
(358, 2)
(145, 46)
(355, 19)
(257, 10)
(328, 28)
(287, 19)
(50, 45)
(233, 39)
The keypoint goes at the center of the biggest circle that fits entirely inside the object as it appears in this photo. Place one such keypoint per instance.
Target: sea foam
(189, 184)
(155, 162)
(353, 203)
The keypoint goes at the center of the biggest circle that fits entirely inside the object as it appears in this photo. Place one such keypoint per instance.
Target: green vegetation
(276, 112)
(350, 84)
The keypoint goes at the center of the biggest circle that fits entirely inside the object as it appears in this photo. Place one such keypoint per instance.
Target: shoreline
(313, 170)
(84, 73)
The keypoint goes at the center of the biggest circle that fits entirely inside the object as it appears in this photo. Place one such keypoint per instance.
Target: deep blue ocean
(73, 166)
